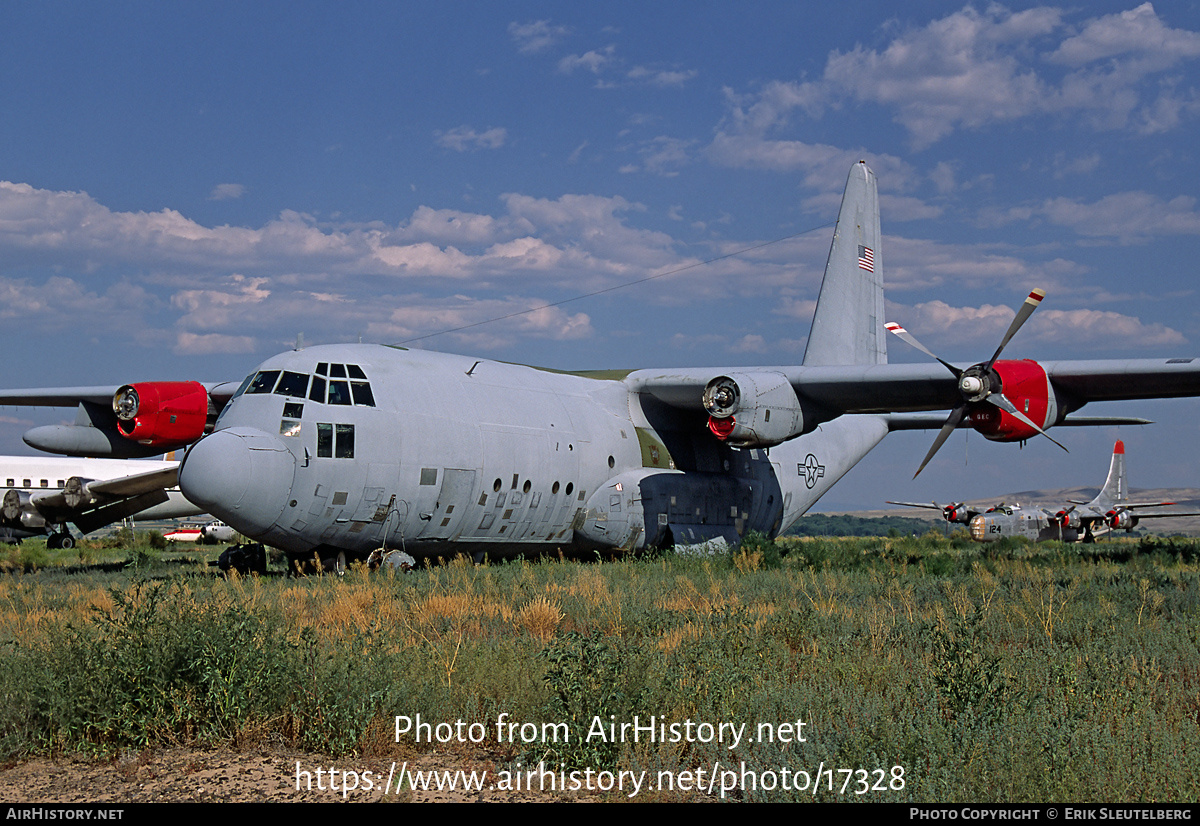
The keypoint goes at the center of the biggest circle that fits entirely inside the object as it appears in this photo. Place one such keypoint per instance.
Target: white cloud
(962, 70)
(466, 139)
(664, 155)
(661, 77)
(973, 68)
(537, 35)
(1128, 217)
(473, 321)
(593, 61)
(1076, 327)
(1138, 34)
(226, 192)
(193, 344)
(937, 321)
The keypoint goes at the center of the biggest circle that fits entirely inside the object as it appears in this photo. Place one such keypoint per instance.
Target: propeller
(978, 383)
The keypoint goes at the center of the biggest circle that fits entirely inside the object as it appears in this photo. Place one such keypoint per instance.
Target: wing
(218, 392)
(1048, 393)
(127, 421)
(92, 504)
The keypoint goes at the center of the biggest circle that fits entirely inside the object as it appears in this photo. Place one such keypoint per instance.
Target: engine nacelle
(1027, 386)
(957, 513)
(15, 503)
(753, 409)
(76, 493)
(162, 414)
(1069, 519)
(18, 510)
(1120, 520)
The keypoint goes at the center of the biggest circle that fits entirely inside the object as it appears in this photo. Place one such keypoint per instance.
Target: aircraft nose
(240, 475)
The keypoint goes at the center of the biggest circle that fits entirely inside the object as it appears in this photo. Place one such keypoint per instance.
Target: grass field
(921, 669)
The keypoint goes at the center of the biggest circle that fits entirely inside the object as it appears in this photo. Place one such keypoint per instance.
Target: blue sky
(187, 186)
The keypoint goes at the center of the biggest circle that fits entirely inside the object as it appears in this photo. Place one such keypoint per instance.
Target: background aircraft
(213, 532)
(42, 494)
(1111, 509)
(340, 449)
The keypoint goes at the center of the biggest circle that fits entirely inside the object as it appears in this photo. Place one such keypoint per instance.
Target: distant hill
(1188, 499)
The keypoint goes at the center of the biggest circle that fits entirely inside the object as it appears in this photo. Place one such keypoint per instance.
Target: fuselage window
(317, 393)
(339, 392)
(335, 441)
(344, 444)
(45, 483)
(263, 382)
(292, 384)
(26, 485)
(362, 394)
(12, 483)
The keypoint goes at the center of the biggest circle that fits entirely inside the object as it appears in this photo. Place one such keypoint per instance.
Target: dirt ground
(183, 775)
(190, 775)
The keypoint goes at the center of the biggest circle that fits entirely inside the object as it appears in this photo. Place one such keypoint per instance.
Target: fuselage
(355, 447)
(1012, 521)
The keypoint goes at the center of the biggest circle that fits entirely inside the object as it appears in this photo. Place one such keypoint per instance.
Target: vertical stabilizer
(847, 327)
(1116, 488)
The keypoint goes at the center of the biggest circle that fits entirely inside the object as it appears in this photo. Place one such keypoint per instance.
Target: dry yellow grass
(540, 617)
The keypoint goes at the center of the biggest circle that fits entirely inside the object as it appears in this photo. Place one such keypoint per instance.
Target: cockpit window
(362, 394)
(242, 389)
(339, 392)
(264, 380)
(292, 384)
(338, 389)
(317, 393)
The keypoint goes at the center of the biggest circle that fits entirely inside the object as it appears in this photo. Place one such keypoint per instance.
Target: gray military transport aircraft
(337, 450)
(1111, 510)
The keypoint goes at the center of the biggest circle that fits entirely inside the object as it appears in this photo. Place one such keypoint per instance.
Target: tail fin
(847, 327)
(1116, 487)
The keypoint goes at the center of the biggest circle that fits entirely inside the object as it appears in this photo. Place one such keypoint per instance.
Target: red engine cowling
(162, 414)
(1026, 385)
(1069, 519)
(1120, 520)
(956, 513)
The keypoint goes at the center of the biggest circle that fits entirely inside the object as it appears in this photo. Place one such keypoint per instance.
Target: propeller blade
(1023, 313)
(956, 416)
(909, 339)
(1001, 401)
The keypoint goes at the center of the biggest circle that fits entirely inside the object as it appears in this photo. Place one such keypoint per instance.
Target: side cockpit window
(242, 388)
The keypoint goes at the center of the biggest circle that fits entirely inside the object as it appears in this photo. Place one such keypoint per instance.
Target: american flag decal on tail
(866, 258)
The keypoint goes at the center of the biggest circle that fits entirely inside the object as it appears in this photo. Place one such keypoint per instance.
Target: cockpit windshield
(347, 385)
